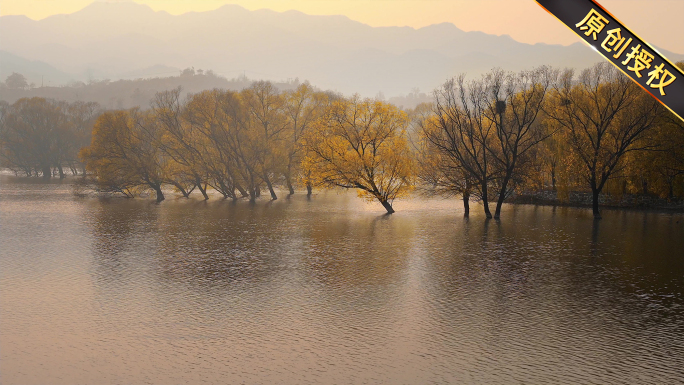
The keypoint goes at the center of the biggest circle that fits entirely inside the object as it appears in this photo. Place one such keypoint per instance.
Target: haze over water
(330, 290)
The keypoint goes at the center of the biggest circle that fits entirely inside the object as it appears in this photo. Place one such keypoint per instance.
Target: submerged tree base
(387, 207)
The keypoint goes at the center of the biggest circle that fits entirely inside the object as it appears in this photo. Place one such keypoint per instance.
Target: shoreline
(675, 206)
(632, 202)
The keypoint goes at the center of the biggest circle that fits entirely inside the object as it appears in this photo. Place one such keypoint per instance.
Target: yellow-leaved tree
(123, 157)
(361, 144)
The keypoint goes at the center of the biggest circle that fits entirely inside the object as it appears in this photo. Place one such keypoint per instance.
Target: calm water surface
(331, 291)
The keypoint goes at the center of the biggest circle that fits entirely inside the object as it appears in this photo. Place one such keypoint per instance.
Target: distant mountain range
(129, 40)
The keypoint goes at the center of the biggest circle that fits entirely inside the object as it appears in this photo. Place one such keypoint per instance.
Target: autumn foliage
(361, 144)
(486, 140)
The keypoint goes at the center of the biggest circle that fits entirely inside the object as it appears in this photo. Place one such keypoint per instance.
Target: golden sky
(656, 21)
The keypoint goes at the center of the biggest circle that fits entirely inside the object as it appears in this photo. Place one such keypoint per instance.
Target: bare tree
(439, 175)
(513, 105)
(604, 115)
(182, 143)
(302, 107)
(217, 116)
(81, 118)
(462, 133)
(265, 107)
(32, 138)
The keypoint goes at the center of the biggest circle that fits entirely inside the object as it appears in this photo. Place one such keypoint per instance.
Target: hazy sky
(659, 22)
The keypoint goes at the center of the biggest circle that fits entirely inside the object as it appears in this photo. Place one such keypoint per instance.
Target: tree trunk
(485, 200)
(466, 204)
(202, 190)
(553, 178)
(270, 188)
(387, 206)
(241, 190)
(225, 191)
(595, 202)
(61, 171)
(502, 196)
(289, 185)
(309, 189)
(181, 189)
(47, 172)
(160, 194)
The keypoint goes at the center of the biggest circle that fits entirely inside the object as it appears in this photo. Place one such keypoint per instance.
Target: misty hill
(34, 71)
(124, 94)
(128, 40)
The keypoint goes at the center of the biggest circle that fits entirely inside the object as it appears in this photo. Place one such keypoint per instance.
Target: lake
(332, 291)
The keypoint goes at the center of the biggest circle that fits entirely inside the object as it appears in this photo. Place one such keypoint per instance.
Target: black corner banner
(622, 47)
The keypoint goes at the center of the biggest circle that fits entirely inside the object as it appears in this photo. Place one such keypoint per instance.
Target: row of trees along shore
(483, 140)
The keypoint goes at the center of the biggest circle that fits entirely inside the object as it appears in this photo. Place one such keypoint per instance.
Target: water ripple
(330, 290)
